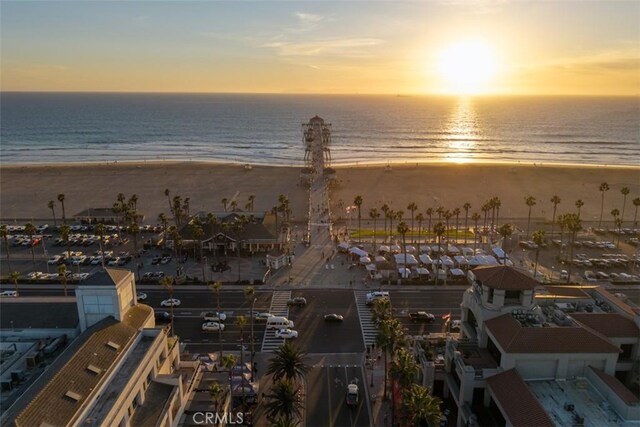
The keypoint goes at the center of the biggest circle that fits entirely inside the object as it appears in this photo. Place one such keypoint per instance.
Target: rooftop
(558, 396)
(617, 387)
(609, 324)
(58, 402)
(39, 313)
(156, 397)
(518, 402)
(514, 338)
(504, 277)
(106, 277)
(110, 394)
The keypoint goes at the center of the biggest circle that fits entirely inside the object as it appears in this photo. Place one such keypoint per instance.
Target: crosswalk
(369, 329)
(279, 307)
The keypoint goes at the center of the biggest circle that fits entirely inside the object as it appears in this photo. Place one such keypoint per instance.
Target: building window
(627, 351)
(490, 296)
(512, 297)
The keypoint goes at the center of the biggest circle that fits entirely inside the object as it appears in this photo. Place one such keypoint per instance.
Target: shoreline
(338, 166)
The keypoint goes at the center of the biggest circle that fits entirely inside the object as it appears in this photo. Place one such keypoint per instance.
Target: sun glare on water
(467, 67)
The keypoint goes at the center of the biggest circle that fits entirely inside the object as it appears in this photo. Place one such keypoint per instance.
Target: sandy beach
(26, 190)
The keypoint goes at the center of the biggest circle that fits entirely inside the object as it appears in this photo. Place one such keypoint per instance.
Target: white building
(121, 370)
(567, 357)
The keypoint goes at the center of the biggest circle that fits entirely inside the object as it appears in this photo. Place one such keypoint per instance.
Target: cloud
(606, 62)
(308, 18)
(344, 47)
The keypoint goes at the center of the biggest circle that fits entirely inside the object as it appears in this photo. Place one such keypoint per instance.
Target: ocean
(266, 129)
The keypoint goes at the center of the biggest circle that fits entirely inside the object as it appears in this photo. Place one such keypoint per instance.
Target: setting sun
(467, 67)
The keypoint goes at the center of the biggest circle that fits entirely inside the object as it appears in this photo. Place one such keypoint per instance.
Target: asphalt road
(326, 397)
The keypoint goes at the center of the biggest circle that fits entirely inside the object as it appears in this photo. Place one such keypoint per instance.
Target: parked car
(54, 260)
(212, 327)
(171, 302)
(333, 317)
(156, 259)
(141, 296)
(165, 260)
(214, 316)
(162, 316)
(286, 333)
(352, 395)
(9, 294)
(297, 301)
(262, 317)
(421, 316)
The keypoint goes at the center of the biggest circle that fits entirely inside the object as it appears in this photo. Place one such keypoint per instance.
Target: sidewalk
(380, 408)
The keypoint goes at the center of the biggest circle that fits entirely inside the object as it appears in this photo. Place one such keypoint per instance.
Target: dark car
(298, 301)
(156, 260)
(333, 317)
(87, 260)
(421, 316)
(162, 316)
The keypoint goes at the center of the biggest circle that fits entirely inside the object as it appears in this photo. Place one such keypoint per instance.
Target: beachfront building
(102, 215)
(118, 370)
(568, 356)
(224, 232)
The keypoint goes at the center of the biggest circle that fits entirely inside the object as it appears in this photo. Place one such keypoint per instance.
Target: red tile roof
(514, 338)
(609, 324)
(520, 406)
(618, 388)
(504, 277)
(599, 291)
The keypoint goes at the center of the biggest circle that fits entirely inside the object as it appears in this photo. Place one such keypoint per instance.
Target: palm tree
(475, 217)
(391, 214)
(404, 368)
(579, 204)
(419, 407)
(439, 230)
(390, 333)
(385, 210)
(14, 276)
(134, 230)
(252, 199)
(238, 228)
(61, 200)
(215, 286)
(51, 205)
(133, 202)
(625, 193)
(466, 208)
(284, 402)
(215, 391)
(4, 234)
(167, 193)
(497, 204)
(100, 232)
(604, 187)
(456, 212)
(30, 229)
(439, 211)
(636, 203)
(574, 225)
(228, 362)
(615, 213)
(485, 208)
(555, 200)
(429, 213)
(381, 310)
(531, 202)
(538, 239)
(289, 363)
(505, 231)
(186, 206)
(249, 294)
(447, 214)
(283, 422)
(224, 202)
(233, 205)
(274, 211)
(374, 215)
(241, 322)
(65, 234)
(402, 229)
(562, 222)
(167, 283)
(420, 219)
(62, 272)
(358, 202)
(412, 207)
(162, 219)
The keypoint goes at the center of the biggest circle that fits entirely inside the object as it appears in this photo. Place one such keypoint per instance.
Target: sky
(353, 47)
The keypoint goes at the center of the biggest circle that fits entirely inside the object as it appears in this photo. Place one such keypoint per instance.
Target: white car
(141, 296)
(262, 317)
(286, 333)
(214, 316)
(171, 302)
(9, 294)
(54, 260)
(212, 327)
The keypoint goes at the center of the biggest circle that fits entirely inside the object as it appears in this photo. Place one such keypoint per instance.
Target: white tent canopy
(384, 248)
(423, 271)
(456, 272)
(371, 267)
(359, 252)
(410, 248)
(404, 272)
(446, 261)
(453, 249)
(380, 258)
(395, 248)
(400, 259)
(460, 260)
(343, 245)
(365, 260)
(425, 248)
(425, 259)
